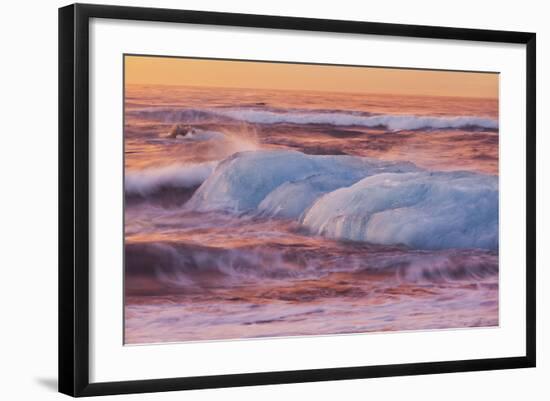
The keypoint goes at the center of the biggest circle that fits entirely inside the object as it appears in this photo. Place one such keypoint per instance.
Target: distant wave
(173, 115)
(276, 116)
(147, 181)
(358, 199)
(200, 136)
(391, 122)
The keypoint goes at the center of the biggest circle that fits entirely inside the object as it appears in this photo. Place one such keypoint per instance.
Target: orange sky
(246, 74)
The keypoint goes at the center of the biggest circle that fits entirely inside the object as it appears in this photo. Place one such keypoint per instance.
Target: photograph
(265, 199)
(269, 201)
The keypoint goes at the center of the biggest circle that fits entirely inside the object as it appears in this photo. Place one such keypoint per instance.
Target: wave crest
(262, 116)
(391, 122)
(167, 267)
(147, 181)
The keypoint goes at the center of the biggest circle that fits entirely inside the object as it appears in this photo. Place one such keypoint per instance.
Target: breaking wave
(190, 267)
(147, 181)
(262, 116)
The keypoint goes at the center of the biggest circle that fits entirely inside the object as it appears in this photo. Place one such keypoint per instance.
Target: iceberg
(290, 199)
(282, 183)
(357, 198)
(422, 210)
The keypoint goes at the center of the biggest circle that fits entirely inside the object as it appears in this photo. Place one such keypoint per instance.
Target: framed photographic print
(249, 199)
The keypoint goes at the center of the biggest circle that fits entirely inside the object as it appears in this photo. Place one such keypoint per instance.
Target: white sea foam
(147, 181)
(392, 122)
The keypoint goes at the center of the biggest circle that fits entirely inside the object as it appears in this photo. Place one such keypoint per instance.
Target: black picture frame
(74, 198)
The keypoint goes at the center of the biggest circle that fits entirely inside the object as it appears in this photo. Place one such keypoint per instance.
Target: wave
(282, 183)
(445, 266)
(174, 115)
(151, 181)
(262, 116)
(391, 122)
(195, 135)
(176, 266)
(167, 267)
(148, 181)
(358, 199)
(236, 139)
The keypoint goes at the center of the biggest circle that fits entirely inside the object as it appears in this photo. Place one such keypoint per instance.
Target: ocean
(262, 213)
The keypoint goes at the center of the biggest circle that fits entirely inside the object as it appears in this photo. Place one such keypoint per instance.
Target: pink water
(207, 275)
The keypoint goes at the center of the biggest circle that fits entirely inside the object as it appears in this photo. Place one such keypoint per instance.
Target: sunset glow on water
(265, 212)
